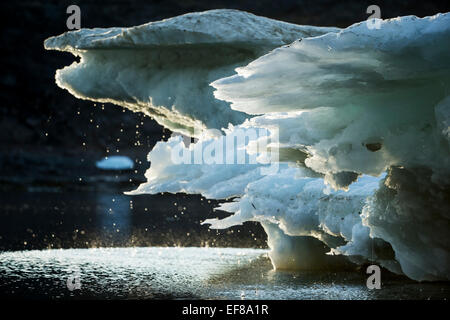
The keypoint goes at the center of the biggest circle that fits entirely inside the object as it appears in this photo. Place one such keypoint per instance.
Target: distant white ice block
(115, 163)
(164, 68)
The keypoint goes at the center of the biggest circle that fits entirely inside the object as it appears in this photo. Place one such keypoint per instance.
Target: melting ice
(360, 115)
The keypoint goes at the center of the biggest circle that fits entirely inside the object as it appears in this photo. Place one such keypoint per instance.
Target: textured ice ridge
(164, 68)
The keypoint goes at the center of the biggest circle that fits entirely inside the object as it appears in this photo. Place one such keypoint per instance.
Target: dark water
(153, 247)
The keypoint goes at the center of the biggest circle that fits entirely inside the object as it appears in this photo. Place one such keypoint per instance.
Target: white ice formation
(164, 68)
(358, 122)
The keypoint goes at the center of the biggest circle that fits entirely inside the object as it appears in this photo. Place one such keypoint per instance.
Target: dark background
(49, 140)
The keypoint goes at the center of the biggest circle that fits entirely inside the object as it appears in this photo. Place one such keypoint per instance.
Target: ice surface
(358, 123)
(368, 101)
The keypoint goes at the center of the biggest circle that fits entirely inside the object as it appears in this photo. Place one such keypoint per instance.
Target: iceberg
(115, 163)
(163, 69)
(352, 163)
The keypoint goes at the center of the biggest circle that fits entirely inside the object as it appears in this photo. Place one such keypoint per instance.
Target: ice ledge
(208, 27)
